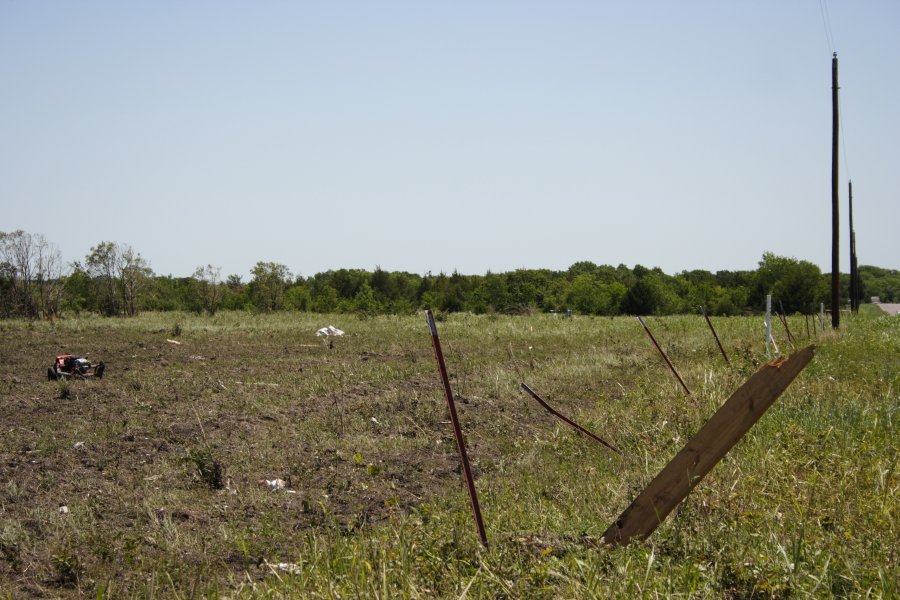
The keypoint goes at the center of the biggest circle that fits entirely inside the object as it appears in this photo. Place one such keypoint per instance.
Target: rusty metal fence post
(665, 358)
(457, 430)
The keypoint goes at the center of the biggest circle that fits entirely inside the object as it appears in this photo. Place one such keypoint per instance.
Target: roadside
(891, 309)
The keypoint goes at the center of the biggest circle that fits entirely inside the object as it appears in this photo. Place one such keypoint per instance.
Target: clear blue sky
(438, 136)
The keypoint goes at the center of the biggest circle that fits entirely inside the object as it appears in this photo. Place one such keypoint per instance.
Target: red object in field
(69, 365)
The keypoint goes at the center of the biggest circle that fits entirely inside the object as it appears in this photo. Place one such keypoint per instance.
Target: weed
(66, 566)
(11, 538)
(210, 471)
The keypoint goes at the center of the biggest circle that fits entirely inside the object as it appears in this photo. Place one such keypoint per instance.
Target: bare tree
(33, 268)
(48, 275)
(133, 272)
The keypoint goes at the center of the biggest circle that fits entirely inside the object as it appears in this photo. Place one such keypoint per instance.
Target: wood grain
(723, 430)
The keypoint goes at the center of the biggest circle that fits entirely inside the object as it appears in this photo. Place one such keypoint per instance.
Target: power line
(844, 143)
(829, 37)
(826, 23)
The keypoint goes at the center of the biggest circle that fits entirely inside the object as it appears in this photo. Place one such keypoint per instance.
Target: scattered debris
(374, 420)
(63, 510)
(292, 568)
(78, 445)
(273, 484)
(330, 330)
(176, 342)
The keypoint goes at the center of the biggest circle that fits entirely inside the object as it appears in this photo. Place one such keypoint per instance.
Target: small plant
(176, 330)
(10, 546)
(65, 391)
(211, 471)
(66, 566)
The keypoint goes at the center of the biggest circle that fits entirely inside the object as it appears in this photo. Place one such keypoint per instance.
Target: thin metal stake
(578, 427)
(666, 358)
(784, 320)
(457, 431)
(715, 335)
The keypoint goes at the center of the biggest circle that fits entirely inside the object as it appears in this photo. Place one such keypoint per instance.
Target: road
(891, 309)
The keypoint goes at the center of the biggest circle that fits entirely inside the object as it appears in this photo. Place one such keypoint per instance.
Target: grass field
(157, 464)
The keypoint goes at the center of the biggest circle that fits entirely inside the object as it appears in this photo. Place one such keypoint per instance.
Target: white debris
(330, 330)
(374, 420)
(63, 510)
(176, 342)
(292, 568)
(78, 445)
(273, 484)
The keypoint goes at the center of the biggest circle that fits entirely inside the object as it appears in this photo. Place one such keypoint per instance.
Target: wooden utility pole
(854, 283)
(835, 208)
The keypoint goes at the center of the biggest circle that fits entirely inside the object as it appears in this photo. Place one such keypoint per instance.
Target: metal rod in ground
(457, 431)
(578, 427)
(784, 320)
(784, 323)
(806, 319)
(665, 358)
(715, 335)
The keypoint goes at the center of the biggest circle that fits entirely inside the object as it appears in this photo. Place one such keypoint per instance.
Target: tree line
(114, 279)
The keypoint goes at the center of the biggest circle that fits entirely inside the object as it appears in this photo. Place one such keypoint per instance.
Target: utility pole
(854, 283)
(835, 208)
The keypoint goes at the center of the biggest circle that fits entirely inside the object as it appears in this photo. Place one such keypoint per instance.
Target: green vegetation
(157, 464)
(115, 280)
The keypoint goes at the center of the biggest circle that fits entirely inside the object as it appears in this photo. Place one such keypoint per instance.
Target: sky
(442, 136)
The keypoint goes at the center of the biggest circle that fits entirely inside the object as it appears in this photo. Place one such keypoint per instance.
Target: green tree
(101, 266)
(365, 302)
(796, 283)
(270, 280)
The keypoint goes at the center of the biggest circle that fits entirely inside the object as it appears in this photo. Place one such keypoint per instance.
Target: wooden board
(723, 430)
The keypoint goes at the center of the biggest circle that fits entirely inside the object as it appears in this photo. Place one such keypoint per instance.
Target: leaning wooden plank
(712, 442)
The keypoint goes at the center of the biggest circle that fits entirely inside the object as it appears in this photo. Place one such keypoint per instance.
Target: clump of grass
(209, 470)
(11, 538)
(66, 566)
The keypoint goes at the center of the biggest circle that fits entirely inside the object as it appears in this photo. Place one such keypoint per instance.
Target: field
(157, 464)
